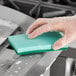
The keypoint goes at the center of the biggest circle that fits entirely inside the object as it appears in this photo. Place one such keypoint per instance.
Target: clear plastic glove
(67, 25)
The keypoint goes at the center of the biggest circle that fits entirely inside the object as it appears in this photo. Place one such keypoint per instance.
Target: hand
(67, 25)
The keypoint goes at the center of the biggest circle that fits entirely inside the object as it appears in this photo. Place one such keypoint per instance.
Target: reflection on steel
(70, 67)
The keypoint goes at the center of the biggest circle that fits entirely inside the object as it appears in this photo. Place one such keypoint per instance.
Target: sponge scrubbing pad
(43, 43)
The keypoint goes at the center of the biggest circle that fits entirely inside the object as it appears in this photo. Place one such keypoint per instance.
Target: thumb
(59, 43)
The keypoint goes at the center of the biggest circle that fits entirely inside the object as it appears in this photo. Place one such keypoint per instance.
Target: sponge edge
(43, 43)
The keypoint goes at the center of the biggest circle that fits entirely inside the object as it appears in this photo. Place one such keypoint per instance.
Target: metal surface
(44, 64)
(32, 65)
(70, 67)
(6, 29)
(28, 65)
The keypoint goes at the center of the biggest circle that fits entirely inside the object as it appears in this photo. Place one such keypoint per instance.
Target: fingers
(56, 24)
(59, 44)
(37, 23)
(43, 29)
(62, 42)
(43, 25)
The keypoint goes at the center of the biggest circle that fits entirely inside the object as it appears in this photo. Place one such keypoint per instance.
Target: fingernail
(27, 33)
(29, 36)
(57, 46)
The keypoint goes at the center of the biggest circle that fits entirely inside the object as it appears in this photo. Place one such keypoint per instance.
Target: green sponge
(43, 43)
